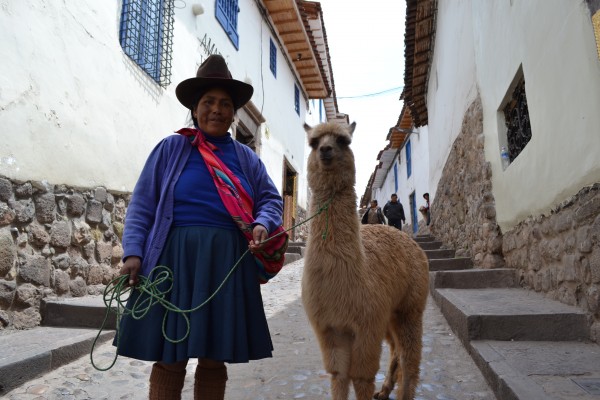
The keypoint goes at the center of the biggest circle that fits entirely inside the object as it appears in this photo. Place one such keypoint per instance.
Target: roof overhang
(297, 23)
(419, 39)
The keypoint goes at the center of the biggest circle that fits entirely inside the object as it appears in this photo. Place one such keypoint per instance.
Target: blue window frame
(146, 36)
(408, 160)
(297, 99)
(396, 177)
(226, 12)
(273, 58)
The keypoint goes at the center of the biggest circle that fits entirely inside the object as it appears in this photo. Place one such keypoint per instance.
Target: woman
(373, 215)
(201, 200)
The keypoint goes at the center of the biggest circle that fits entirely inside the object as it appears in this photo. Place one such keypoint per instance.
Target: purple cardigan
(150, 211)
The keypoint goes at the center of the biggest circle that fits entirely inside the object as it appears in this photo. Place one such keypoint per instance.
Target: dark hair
(425, 194)
(394, 194)
(374, 201)
(201, 93)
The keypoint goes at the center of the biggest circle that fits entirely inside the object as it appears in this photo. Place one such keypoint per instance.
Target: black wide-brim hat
(213, 73)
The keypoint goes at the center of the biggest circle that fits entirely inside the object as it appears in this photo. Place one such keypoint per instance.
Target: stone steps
(440, 253)
(28, 354)
(527, 346)
(432, 245)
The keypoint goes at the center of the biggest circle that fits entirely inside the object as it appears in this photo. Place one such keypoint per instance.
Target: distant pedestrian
(373, 215)
(425, 209)
(394, 212)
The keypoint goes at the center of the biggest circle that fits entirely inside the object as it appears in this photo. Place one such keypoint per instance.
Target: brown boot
(165, 384)
(209, 383)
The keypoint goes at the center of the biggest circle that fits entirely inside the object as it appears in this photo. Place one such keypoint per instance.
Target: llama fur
(361, 284)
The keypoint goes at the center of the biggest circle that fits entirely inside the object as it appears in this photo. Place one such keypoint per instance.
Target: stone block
(589, 209)
(76, 205)
(35, 269)
(24, 211)
(45, 208)
(100, 194)
(8, 252)
(27, 295)
(60, 234)
(103, 252)
(61, 282)
(6, 190)
(61, 261)
(7, 215)
(38, 236)
(7, 293)
(24, 190)
(78, 287)
(93, 213)
(81, 233)
(27, 319)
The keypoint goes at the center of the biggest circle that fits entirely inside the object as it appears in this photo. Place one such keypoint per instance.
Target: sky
(366, 46)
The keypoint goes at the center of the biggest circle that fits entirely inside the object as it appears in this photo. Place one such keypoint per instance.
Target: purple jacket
(150, 212)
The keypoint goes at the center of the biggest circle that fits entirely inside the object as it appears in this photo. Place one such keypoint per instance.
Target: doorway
(290, 179)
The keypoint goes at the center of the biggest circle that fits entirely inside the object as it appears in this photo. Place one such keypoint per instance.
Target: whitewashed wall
(418, 182)
(480, 46)
(74, 109)
(452, 85)
(553, 41)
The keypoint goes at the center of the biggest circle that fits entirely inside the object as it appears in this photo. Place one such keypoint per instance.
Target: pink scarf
(240, 205)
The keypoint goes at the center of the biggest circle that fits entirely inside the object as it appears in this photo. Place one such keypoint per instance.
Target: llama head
(331, 161)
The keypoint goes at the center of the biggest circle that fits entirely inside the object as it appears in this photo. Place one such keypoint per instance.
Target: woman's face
(214, 112)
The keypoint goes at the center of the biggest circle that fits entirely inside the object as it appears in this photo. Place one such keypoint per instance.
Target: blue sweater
(150, 211)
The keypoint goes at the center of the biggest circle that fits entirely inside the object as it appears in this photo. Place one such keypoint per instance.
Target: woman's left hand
(259, 235)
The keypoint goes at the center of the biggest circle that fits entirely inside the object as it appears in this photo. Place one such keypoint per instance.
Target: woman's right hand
(132, 267)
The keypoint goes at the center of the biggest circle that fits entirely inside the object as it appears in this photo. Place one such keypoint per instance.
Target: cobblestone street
(294, 372)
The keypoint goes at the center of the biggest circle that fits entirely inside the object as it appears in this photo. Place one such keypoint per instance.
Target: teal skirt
(231, 327)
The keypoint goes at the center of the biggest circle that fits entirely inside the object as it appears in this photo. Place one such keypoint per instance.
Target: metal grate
(516, 114)
(146, 36)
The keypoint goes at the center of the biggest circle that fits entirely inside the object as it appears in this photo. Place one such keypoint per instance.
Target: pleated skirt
(231, 327)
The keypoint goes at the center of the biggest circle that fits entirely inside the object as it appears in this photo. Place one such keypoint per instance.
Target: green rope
(118, 292)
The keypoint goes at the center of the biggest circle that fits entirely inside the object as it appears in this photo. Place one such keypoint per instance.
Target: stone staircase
(527, 346)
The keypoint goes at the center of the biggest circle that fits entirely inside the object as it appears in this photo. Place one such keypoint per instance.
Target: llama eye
(342, 141)
(314, 143)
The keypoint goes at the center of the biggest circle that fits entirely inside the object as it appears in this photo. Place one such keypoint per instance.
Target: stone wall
(559, 254)
(463, 213)
(55, 241)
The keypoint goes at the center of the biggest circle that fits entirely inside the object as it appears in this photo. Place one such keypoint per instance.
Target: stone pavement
(294, 372)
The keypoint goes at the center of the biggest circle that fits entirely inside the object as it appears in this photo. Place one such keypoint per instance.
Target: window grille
(226, 12)
(297, 99)
(516, 115)
(146, 36)
(273, 58)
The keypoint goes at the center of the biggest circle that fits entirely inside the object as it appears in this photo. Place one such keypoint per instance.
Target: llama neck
(339, 221)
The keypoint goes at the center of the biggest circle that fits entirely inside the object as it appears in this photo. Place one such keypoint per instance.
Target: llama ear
(351, 128)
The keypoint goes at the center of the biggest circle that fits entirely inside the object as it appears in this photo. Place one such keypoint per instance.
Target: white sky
(366, 45)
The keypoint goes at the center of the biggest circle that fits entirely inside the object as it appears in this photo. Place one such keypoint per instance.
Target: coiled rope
(118, 292)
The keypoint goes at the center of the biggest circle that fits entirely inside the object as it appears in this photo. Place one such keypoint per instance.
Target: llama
(361, 283)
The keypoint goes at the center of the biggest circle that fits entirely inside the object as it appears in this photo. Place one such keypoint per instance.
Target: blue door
(413, 213)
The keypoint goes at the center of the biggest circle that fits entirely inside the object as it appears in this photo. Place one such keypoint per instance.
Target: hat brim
(187, 90)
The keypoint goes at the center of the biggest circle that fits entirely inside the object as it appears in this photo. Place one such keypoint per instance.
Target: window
(297, 99)
(226, 12)
(146, 36)
(408, 160)
(273, 58)
(516, 117)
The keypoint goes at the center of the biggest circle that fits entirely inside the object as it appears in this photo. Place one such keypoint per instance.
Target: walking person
(201, 201)
(394, 212)
(373, 215)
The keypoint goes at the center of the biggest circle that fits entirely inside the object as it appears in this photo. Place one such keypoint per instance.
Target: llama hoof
(382, 395)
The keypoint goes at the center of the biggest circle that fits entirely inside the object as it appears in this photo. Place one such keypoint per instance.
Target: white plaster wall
(418, 182)
(74, 109)
(553, 40)
(452, 85)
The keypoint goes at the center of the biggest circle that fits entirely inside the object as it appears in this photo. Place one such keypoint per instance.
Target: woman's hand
(132, 267)
(259, 235)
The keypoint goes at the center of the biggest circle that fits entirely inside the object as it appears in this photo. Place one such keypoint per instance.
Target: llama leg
(366, 353)
(335, 348)
(390, 376)
(410, 338)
